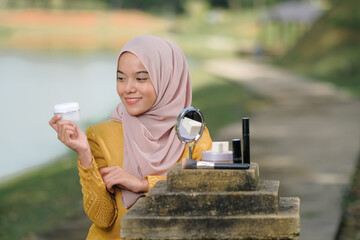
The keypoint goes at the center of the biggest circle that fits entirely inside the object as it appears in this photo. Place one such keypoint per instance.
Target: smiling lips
(131, 101)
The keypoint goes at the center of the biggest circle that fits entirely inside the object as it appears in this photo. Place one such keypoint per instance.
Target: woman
(121, 159)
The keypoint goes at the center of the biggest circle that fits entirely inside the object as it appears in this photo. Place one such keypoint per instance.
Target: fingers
(65, 128)
(53, 121)
(107, 170)
(69, 134)
(78, 130)
(112, 176)
(110, 182)
(116, 176)
(109, 186)
(66, 131)
(57, 125)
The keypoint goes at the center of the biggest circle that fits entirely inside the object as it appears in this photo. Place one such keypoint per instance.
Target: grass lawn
(40, 200)
(329, 51)
(350, 225)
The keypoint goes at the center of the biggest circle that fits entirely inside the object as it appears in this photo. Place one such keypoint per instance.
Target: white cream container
(220, 157)
(220, 153)
(69, 111)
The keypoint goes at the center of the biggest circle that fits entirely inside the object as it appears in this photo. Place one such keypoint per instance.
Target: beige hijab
(151, 146)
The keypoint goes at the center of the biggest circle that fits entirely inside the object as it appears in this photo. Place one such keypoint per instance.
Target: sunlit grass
(350, 224)
(40, 200)
(329, 51)
(217, 34)
(339, 66)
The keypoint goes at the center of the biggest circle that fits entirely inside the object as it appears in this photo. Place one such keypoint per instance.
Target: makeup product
(246, 140)
(236, 144)
(191, 126)
(68, 111)
(192, 164)
(220, 147)
(220, 153)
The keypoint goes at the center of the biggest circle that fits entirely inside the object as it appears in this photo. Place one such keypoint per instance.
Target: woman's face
(134, 85)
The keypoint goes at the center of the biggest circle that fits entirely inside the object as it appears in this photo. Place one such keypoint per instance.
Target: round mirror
(190, 127)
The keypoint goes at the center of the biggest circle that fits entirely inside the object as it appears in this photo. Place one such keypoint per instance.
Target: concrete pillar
(213, 204)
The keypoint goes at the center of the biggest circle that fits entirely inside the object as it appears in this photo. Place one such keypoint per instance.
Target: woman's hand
(72, 136)
(117, 176)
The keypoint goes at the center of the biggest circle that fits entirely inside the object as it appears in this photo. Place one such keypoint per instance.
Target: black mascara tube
(246, 140)
(236, 147)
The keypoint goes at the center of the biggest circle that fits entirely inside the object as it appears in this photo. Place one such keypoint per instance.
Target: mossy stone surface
(212, 180)
(137, 224)
(159, 201)
(213, 204)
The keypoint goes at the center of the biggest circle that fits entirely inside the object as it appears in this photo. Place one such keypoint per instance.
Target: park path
(308, 139)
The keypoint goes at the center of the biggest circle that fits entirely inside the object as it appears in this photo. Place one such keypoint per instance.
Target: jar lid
(66, 107)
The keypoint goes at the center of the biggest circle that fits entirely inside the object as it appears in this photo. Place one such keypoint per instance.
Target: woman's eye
(120, 78)
(141, 79)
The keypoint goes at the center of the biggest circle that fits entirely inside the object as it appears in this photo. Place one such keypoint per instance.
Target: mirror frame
(201, 132)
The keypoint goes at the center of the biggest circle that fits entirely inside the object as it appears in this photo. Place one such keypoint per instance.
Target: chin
(134, 112)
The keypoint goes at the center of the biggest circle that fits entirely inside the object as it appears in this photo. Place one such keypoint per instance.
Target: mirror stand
(190, 127)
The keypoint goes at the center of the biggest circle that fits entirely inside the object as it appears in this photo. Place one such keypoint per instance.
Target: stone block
(212, 180)
(137, 224)
(159, 201)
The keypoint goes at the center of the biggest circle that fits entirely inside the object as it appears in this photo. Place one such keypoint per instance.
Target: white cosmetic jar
(218, 157)
(69, 111)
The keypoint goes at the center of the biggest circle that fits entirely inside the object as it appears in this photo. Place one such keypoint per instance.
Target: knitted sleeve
(154, 179)
(99, 204)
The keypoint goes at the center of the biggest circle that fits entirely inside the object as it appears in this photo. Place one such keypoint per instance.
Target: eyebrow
(142, 71)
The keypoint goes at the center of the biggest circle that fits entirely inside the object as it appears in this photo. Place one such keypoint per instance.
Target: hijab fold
(151, 146)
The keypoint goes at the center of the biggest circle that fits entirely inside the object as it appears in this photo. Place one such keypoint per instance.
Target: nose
(130, 87)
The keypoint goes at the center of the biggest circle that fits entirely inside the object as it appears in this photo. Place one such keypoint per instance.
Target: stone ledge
(161, 202)
(210, 180)
(136, 224)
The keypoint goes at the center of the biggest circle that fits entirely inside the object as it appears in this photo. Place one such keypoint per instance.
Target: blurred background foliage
(326, 48)
(176, 6)
(330, 50)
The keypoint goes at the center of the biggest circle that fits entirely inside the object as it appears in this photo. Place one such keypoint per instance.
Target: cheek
(153, 97)
(151, 94)
(119, 89)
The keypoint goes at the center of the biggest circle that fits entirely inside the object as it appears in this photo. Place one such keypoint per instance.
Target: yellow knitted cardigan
(104, 209)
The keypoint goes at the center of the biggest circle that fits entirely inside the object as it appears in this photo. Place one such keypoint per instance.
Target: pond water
(30, 84)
